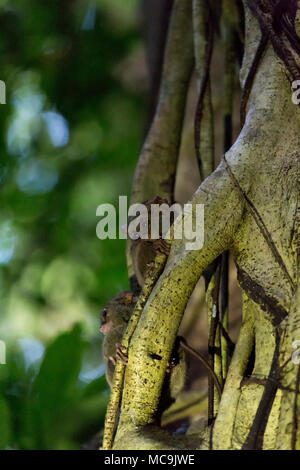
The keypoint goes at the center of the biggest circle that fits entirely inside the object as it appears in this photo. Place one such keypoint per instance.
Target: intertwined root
(249, 208)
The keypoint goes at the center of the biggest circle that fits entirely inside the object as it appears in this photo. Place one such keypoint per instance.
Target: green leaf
(55, 391)
(96, 387)
(59, 370)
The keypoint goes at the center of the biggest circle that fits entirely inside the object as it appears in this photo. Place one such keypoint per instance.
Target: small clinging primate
(115, 317)
(144, 251)
(116, 314)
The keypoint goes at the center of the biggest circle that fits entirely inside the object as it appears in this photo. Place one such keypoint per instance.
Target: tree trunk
(251, 206)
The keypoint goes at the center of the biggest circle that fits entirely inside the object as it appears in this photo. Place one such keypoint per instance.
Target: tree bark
(251, 208)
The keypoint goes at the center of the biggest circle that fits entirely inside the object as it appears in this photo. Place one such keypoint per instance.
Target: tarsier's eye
(104, 314)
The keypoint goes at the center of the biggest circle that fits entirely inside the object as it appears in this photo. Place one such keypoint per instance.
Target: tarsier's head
(117, 312)
(146, 223)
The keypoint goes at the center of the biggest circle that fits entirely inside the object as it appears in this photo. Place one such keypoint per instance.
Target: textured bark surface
(156, 168)
(251, 208)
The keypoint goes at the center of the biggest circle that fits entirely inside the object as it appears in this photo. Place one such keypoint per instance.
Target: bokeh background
(71, 130)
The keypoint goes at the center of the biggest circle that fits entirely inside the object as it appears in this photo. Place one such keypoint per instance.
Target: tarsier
(144, 250)
(115, 317)
(116, 314)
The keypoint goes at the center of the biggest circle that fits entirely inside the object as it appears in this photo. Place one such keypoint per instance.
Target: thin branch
(203, 70)
(116, 391)
(251, 75)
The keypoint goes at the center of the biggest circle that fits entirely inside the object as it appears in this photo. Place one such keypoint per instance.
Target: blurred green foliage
(71, 132)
